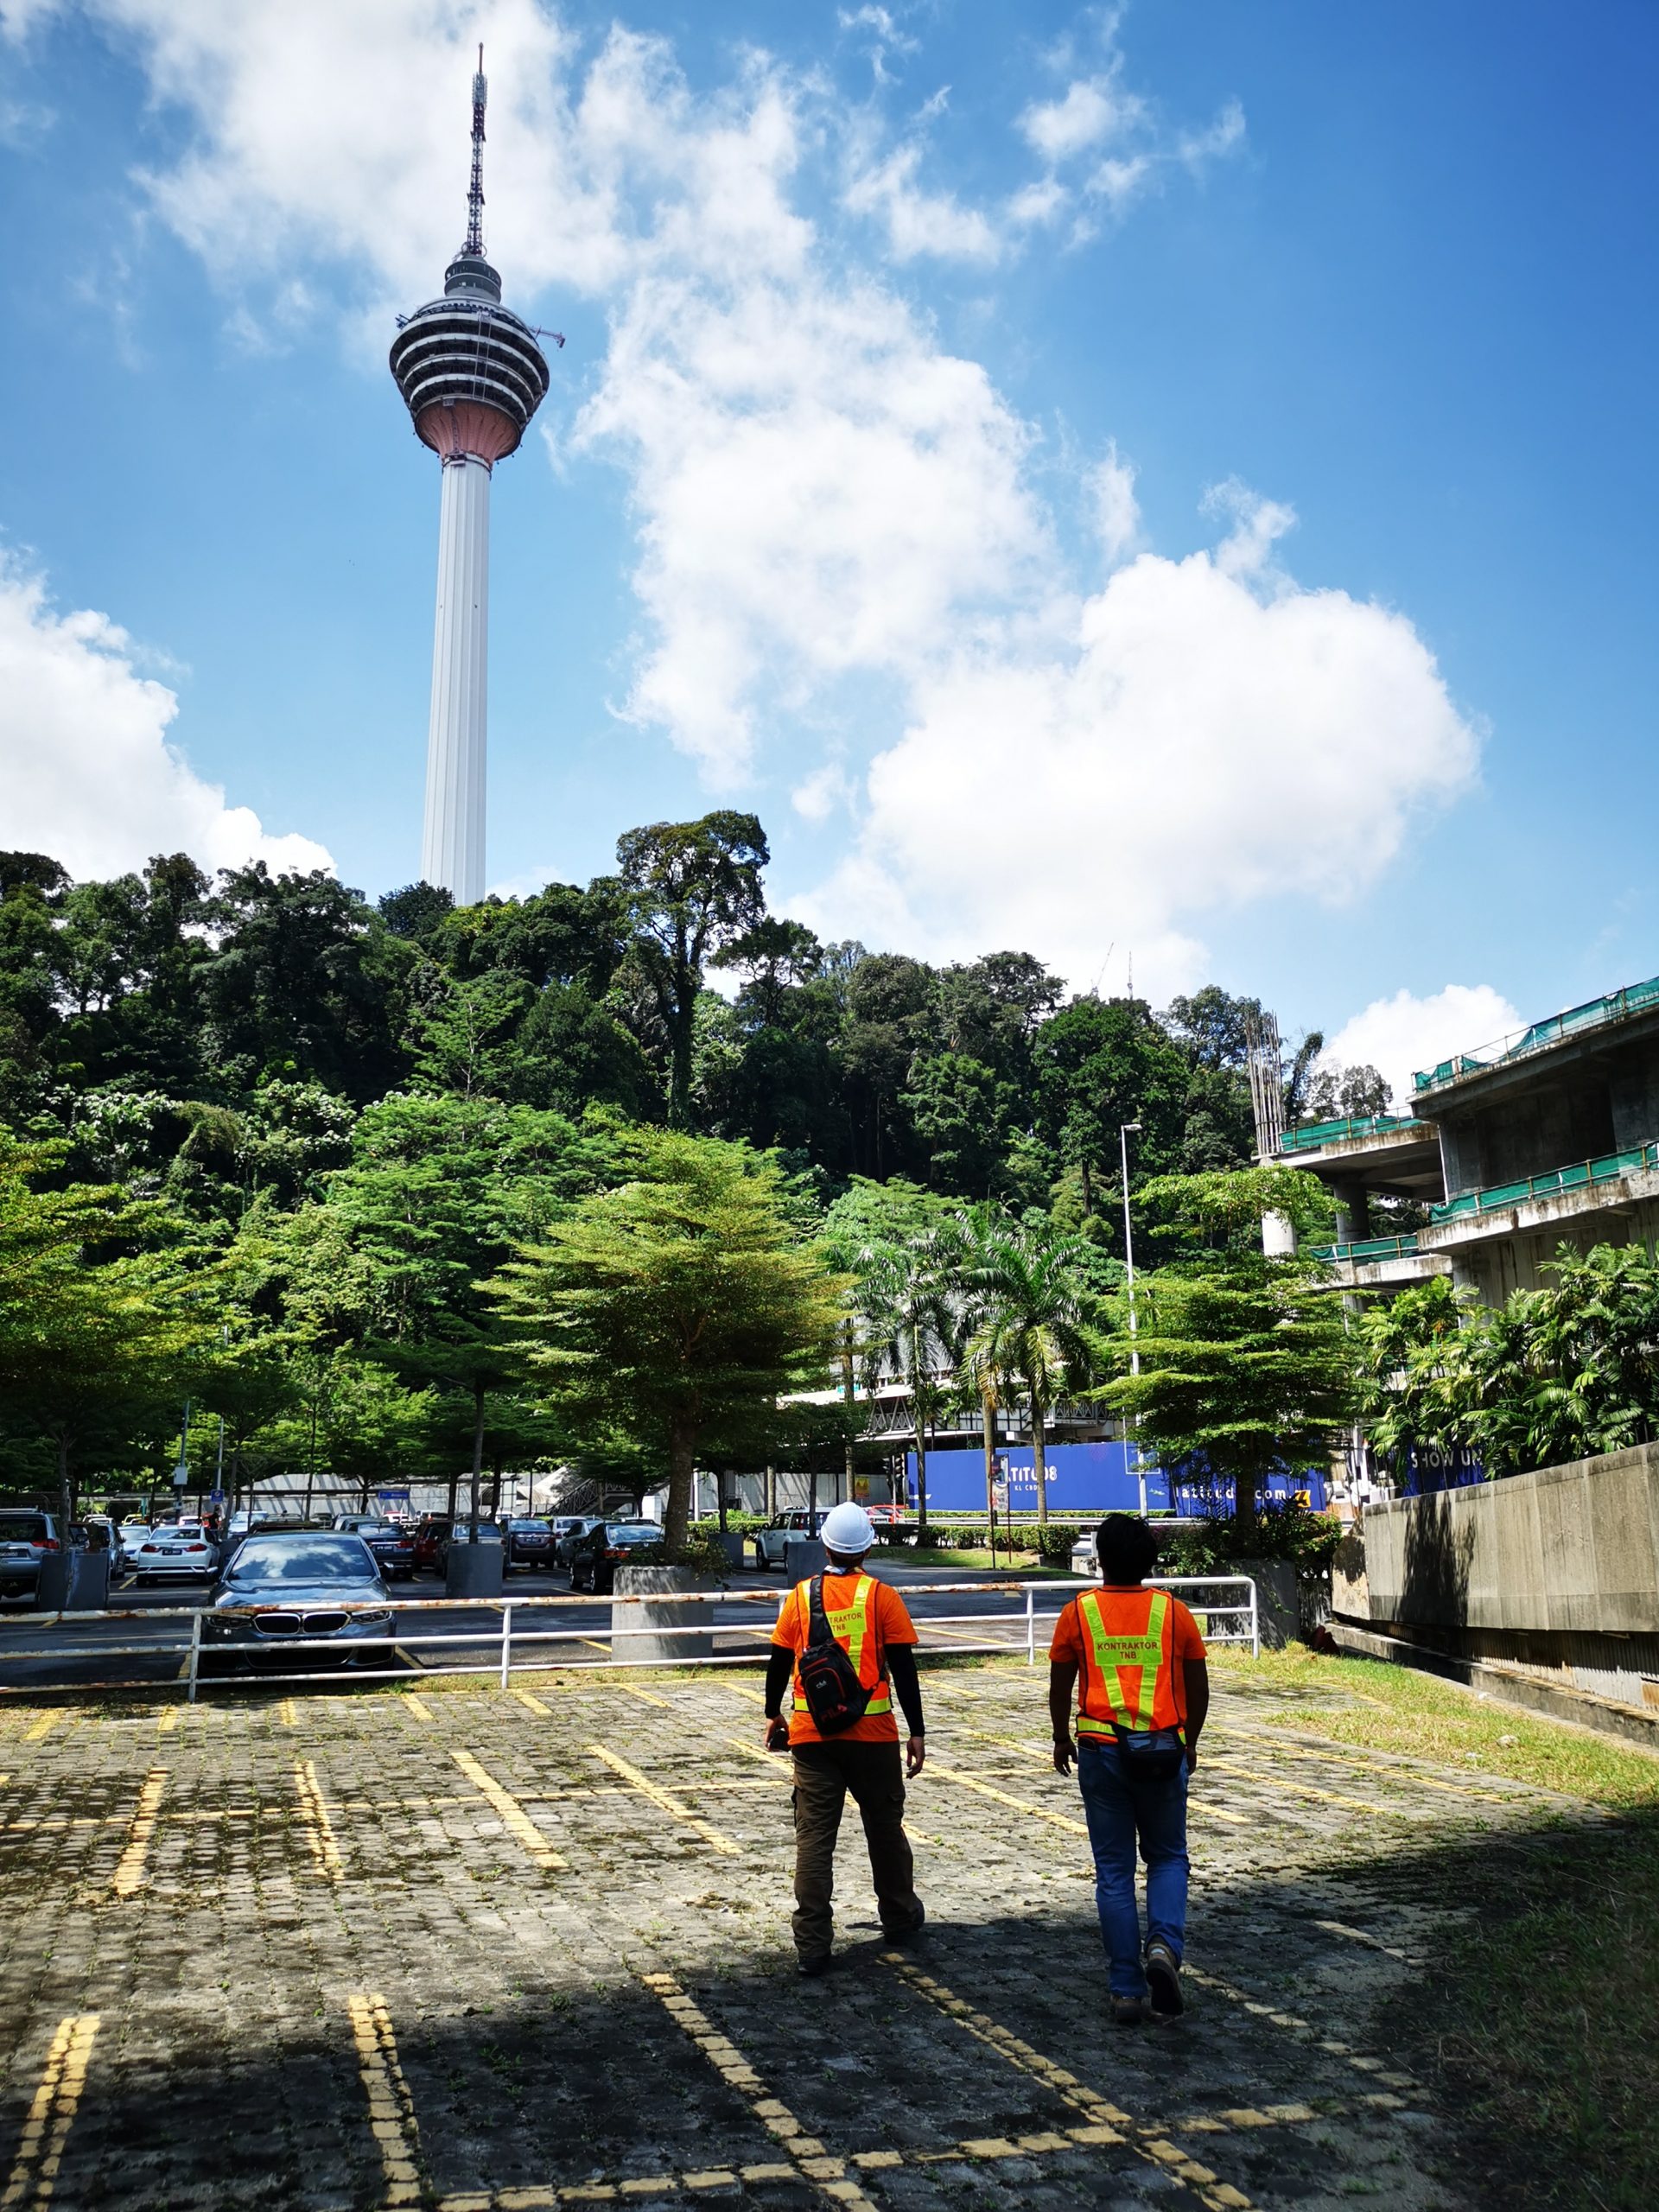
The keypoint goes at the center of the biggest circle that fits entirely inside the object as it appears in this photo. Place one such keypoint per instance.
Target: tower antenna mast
(475, 190)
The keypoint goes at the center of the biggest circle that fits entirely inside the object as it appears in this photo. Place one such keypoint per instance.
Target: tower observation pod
(472, 375)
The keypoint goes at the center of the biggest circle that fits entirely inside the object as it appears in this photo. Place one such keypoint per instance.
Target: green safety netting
(1616, 1004)
(1610, 1166)
(1371, 1248)
(1312, 1135)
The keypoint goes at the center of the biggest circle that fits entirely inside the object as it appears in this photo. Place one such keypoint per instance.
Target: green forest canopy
(337, 1113)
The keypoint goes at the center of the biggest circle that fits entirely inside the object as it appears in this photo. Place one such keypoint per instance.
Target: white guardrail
(656, 1615)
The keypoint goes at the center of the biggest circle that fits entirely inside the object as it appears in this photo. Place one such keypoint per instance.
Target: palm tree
(1032, 1322)
(905, 1293)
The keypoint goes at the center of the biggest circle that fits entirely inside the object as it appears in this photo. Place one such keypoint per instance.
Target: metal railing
(1371, 1247)
(514, 1648)
(1312, 1135)
(1583, 1173)
(1516, 1043)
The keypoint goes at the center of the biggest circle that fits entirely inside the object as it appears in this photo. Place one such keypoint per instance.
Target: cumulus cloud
(1213, 734)
(919, 222)
(1091, 110)
(85, 769)
(1398, 1035)
(839, 520)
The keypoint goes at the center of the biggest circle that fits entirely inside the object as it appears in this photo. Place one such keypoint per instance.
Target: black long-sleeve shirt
(901, 1673)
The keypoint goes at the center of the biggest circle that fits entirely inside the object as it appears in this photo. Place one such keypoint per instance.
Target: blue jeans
(1119, 1812)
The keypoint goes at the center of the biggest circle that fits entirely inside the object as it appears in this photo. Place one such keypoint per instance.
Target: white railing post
(1255, 1627)
(507, 1642)
(195, 1658)
(1031, 1624)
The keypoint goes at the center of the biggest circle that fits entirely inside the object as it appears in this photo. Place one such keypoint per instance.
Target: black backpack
(835, 1696)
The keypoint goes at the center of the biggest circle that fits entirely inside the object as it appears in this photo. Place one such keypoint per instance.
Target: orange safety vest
(1121, 1674)
(850, 1626)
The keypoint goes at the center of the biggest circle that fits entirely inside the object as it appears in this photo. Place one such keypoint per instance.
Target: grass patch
(1541, 2017)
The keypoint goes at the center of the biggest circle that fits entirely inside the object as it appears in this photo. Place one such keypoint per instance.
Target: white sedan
(174, 1551)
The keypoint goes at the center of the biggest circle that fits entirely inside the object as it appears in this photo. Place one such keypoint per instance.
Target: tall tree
(677, 1308)
(693, 889)
(1032, 1322)
(905, 1294)
(1245, 1365)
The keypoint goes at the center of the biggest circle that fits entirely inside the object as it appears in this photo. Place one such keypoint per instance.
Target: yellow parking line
(290, 1718)
(645, 1697)
(1002, 1797)
(1198, 1808)
(417, 1706)
(1115, 2125)
(534, 1703)
(662, 1798)
(318, 1828)
(46, 1722)
(40, 2154)
(168, 1721)
(1292, 1745)
(513, 1815)
(130, 1870)
(1306, 1790)
(776, 1760)
(391, 2109)
(805, 2153)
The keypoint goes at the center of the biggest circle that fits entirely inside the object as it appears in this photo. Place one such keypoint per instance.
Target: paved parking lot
(478, 1949)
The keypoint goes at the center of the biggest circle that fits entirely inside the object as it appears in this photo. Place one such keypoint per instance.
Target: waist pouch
(1150, 1754)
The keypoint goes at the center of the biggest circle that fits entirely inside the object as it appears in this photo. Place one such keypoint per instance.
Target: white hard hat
(847, 1531)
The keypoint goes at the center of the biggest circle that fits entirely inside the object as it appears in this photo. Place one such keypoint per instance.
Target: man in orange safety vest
(1137, 1660)
(847, 1642)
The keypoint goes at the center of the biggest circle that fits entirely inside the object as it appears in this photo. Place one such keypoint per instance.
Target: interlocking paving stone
(378, 1949)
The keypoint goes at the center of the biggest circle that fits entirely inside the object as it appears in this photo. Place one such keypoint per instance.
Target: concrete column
(1353, 1210)
(1278, 1237)
(452, 850)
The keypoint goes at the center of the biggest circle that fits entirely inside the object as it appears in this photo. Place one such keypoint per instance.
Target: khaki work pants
(824, 1774)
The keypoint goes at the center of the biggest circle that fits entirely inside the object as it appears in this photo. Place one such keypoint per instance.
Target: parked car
(611, 1544)
(128, 1537)
(303, 1582)
(175, 1551)
(429, 1532)
(26, 1538)
(797, 1527)
(1084, 1561)
(569, 1531)
(393, 1547)
(459, 1532)
(530, 1543)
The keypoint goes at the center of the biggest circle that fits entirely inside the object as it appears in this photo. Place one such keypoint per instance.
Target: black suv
(596, 1556)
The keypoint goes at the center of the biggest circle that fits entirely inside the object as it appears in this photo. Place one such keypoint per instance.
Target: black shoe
(914, 1926)
(1164, 1979)
(813, 1963)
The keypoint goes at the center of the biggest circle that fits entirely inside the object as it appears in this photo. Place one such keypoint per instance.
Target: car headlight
(380, 1619)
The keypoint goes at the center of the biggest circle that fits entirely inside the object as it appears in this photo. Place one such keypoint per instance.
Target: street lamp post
(1124, 1130)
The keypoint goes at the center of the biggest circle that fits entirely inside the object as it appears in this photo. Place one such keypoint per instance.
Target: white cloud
(1110, 484)
(85, 769)
(919, 222)
(838, 518)
(818, 796)
(1212, 734)
(1401, 1035)
(1091, 110)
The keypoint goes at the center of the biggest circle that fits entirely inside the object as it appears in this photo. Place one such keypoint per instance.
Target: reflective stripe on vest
(1106, 1656)
(850, 1626)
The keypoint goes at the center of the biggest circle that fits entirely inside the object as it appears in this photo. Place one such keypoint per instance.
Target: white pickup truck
(798, 1526)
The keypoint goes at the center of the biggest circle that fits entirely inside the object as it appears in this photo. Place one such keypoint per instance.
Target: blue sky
(1178, 480)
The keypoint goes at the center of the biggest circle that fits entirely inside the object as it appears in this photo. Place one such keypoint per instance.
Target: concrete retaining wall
(1556, 1573)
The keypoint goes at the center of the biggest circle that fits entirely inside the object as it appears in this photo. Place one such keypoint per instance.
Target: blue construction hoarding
(1085, 1479)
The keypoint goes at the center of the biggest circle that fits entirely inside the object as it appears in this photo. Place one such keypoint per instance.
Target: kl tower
(472, 375)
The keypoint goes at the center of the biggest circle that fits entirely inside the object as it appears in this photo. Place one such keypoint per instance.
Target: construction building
(1549, 1135)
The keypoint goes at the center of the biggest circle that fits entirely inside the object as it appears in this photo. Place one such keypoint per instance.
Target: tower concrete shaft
(452, 849)
(471, 376)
